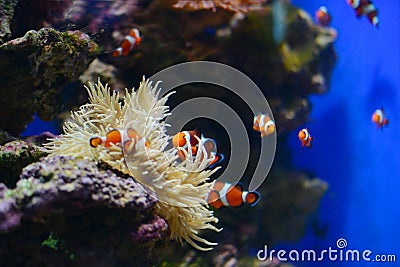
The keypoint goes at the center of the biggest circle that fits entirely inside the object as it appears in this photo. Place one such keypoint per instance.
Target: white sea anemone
(181, 188)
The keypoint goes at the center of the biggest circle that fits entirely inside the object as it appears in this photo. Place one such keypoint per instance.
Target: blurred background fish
(279, 13)
(322, 16)
(367, 8)
(379, 118)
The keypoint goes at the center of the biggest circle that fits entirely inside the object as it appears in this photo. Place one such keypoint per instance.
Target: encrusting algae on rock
(182, 188)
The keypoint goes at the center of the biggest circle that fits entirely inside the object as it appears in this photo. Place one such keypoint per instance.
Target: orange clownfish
(189, 141)
(229, 195)
(115, 137)
(130, 42)
(263, 124)
(379, 118)
(367, 8)
(305, 138)
(322, 16)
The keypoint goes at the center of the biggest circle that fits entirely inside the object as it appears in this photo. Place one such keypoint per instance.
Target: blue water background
(360, 162)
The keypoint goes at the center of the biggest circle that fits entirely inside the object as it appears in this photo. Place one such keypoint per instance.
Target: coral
(10, 216)
(6, 14)
(290, 202)
(40, 139)
(231, 5)
(34, 15)
(225, 255)
(155, 230)
(14, 156)
(288, 71)
(182, 188)
(85, 212)
(54, 178)
(6, 137)
(96, 14)
(33, 70)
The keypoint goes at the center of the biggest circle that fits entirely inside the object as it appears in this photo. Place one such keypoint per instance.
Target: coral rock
(14, 156)
(86, 212)
(34, 68)
(6, 14)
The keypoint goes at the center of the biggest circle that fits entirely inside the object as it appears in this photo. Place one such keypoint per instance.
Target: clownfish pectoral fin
(214, 199)
(127, 145)
(217, 160)
(95, 141)
(209, 144)
(253, 198)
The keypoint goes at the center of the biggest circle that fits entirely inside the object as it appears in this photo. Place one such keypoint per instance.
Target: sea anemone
(238, 6)
(182, 188)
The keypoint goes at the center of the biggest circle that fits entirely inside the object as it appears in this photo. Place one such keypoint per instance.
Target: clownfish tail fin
(253, 198)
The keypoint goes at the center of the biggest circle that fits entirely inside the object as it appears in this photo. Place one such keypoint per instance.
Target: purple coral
(155, 230)
(55, 179)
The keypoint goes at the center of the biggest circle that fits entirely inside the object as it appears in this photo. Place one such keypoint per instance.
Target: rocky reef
(34, 69)
(65, 211)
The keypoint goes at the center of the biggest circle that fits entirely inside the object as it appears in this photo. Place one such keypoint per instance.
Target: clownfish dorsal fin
(239, 186)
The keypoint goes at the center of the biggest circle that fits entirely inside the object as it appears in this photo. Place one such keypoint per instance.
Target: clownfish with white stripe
(367, 8)
(130, 138)
(305, 138)
(131, 41)
(322, 16)
(229, 195)
(263, 124)
(189, 141)
(379, 118)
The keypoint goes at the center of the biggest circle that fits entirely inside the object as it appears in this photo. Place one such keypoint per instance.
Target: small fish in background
(279, 14)
(115, 137)
(379, 118)
(322, 16)
(189, 141)
(229, 195)
(263, 124)
(367, 8)
(131, 41)
(305, 138)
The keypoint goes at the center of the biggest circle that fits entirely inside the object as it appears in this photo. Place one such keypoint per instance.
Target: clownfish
(131, 41)
(115, 137)
(379, 118)
(263, 124)
(305, 138)
(322, 16)
(229, 195)
(189, 141)
(367, 8)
